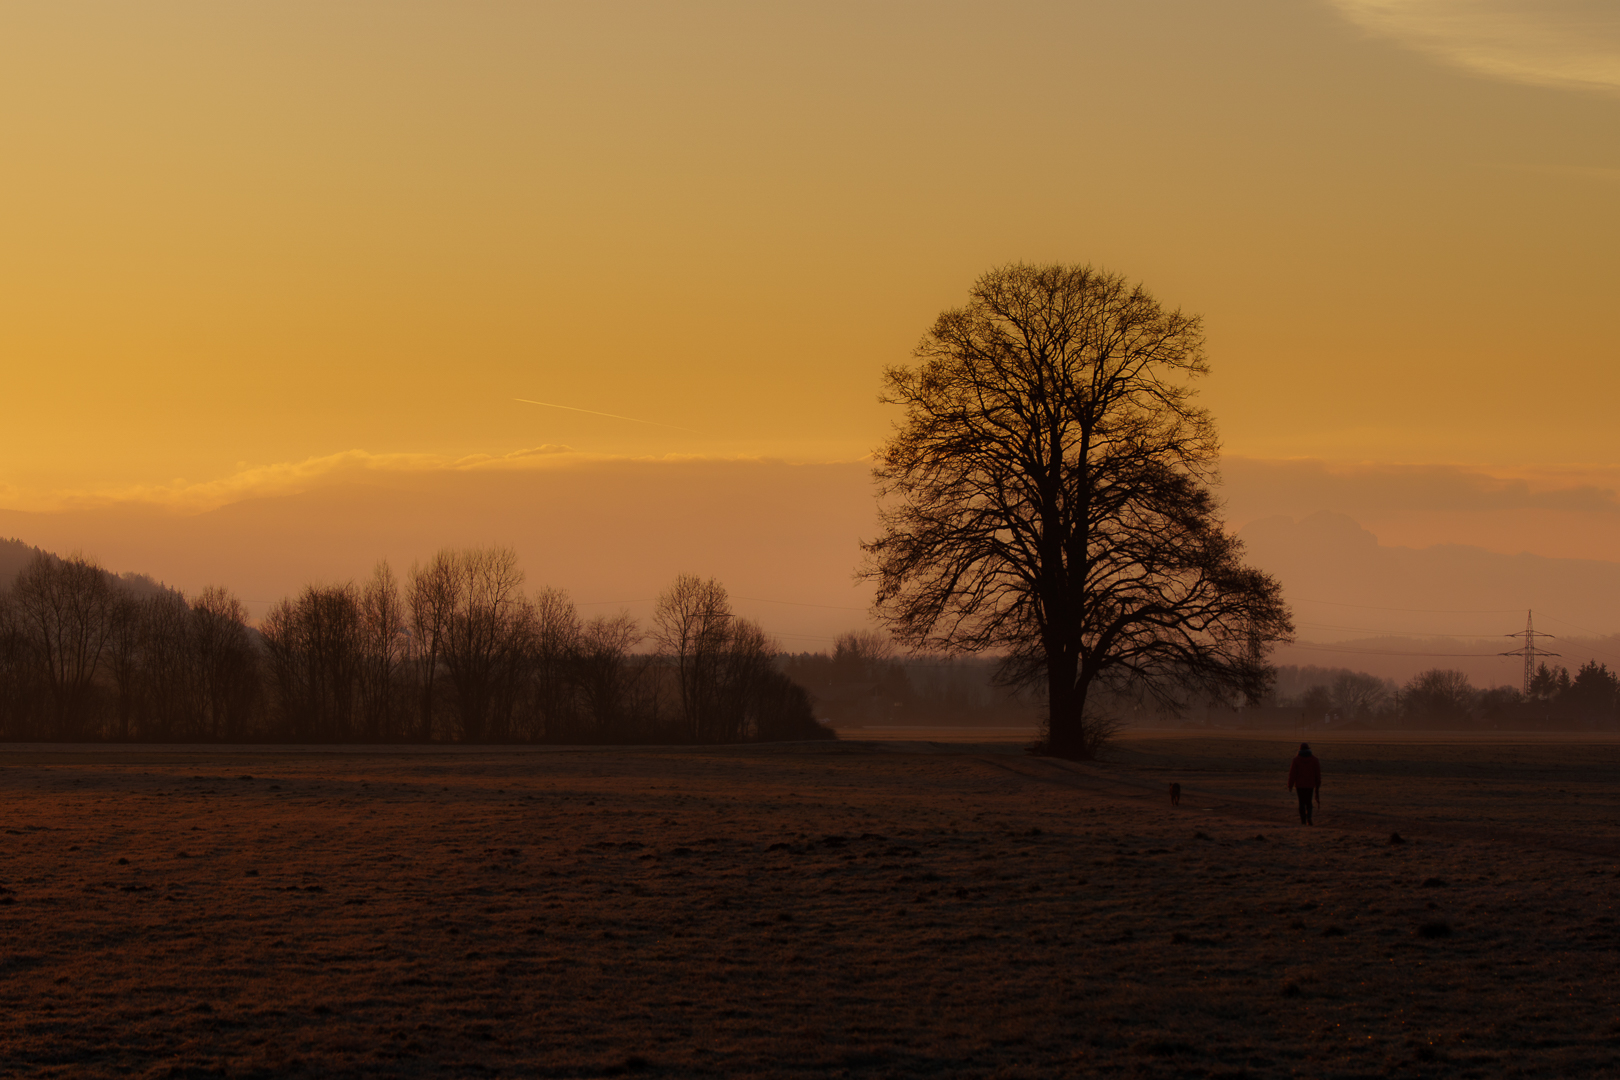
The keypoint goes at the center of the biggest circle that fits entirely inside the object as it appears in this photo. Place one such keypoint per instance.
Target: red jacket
(1305, 772)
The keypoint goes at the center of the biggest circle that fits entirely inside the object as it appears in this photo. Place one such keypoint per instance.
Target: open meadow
(854, 908)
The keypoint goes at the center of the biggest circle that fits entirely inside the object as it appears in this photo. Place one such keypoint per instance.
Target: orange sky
(241, 238)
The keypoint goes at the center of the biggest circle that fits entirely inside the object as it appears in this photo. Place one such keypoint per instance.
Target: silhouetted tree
(1548, 683)
(64, 607)
(22, 688)
(551, 683)
(691, 625)
(1317, 704)
(1592, 696)
(863, 646)
(166, 692)
(1439, 696)
(512, 673)
(126, 657)
(225, 663)
(430, 594)
(314, 644)
(480, 640)
(1357, 694)
(603, 674)
(782, 711)
(384, 647)
(747, 660)
(1048, 495)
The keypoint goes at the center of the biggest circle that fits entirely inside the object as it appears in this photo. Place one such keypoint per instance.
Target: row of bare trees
(458, 651)
(84, 656)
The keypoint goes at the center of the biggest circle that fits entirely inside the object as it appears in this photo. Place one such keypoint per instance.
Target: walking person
(1305, 777)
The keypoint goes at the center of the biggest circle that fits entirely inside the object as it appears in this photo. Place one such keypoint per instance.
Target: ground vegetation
(861, 910)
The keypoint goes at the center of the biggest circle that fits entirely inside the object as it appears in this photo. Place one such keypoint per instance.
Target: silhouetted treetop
(1047, 495)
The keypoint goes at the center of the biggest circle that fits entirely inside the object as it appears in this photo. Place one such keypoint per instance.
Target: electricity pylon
(1529, 651)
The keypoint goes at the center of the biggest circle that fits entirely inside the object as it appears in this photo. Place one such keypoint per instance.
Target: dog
(1175, 794)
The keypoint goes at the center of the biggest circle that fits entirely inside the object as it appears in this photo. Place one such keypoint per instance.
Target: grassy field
(862, 908)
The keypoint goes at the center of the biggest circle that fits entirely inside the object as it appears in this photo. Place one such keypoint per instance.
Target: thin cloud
(1261, 486)
(350, 466)
(286, 478)
(1560, 43)
(611, 416)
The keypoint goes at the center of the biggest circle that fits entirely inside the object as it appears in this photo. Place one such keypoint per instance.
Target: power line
(1573, 626)
(1382, 652)
(751, 599)
(1421, 611)
(794, 603)
(1393, 633)
(1573, 643)
(1528, 650)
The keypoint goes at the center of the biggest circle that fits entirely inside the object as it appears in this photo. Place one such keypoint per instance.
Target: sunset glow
(257, 248)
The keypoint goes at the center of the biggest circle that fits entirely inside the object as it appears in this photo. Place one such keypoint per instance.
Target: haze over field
(783, 536)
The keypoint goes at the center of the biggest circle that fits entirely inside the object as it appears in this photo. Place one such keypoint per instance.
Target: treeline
(863, 683)
(456, 652)
(1445, 698)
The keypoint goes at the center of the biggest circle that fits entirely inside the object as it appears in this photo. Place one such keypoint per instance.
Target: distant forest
(1437, 698)
(457, 652)
(863, 683)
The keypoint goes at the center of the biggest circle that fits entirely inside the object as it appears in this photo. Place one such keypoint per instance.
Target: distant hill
(15, 554)
(783, 538)
(1395, 611)
(1345, 584)
(613, 534)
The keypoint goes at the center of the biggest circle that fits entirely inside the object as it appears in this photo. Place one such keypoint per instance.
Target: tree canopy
(1047, 496)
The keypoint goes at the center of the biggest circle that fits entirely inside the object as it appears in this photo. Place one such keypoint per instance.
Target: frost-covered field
(866, 909)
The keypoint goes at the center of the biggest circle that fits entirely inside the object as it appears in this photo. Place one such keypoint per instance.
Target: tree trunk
(1066, 706)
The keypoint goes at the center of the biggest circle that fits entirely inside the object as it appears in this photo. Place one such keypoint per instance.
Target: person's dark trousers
(1305, 794)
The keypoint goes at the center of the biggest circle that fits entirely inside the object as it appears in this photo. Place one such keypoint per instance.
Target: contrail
(611, 416)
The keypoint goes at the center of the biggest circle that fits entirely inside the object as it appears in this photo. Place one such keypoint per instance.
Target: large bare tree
(1047, 495)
